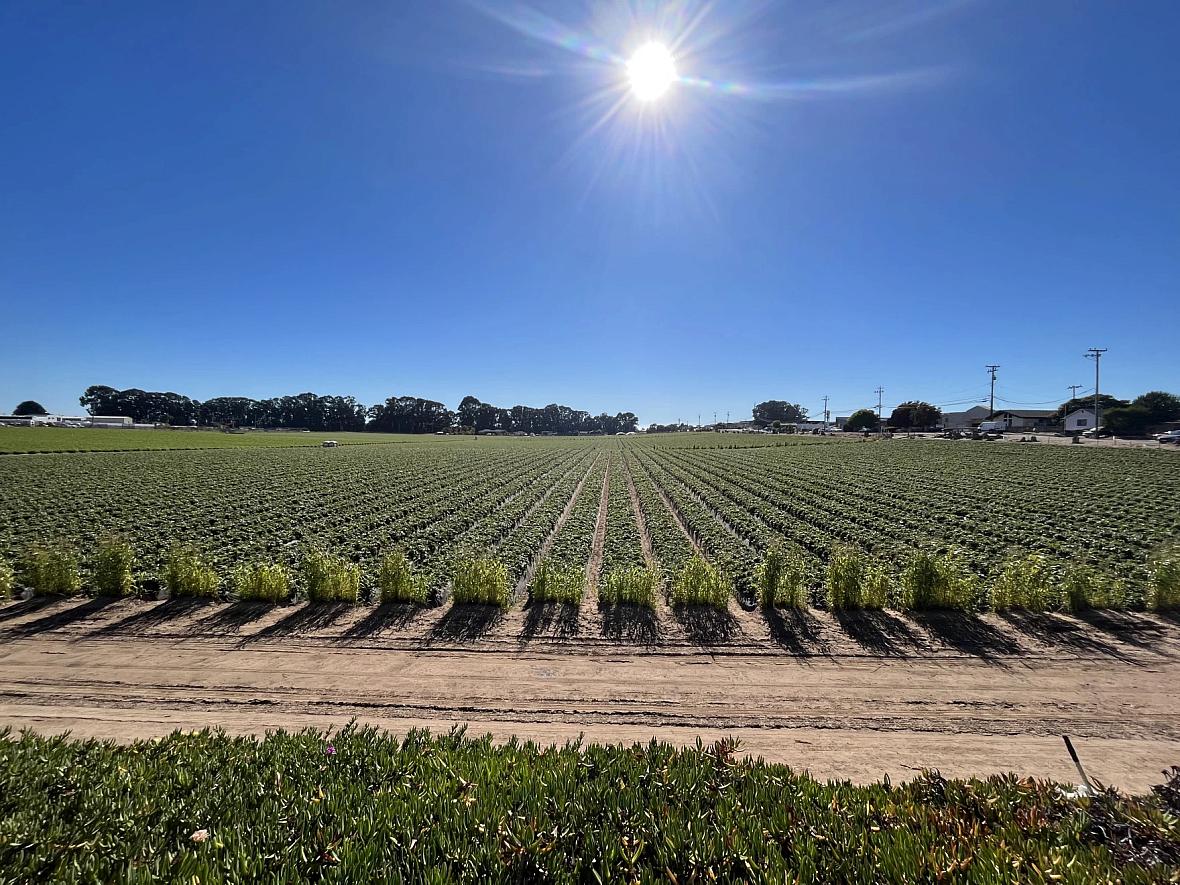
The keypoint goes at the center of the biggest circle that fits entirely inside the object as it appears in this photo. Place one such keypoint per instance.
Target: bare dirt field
(850, 697)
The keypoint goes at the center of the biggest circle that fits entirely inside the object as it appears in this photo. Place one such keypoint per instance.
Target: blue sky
(433, 198)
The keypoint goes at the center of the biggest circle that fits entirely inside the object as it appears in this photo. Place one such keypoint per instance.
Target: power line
(1040, 402)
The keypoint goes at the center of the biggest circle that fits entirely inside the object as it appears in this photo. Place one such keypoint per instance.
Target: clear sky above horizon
(443, 198)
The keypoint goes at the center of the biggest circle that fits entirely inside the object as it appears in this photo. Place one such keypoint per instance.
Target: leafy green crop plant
(701, 583)
(632, 586)
(783, 578)
(186, 574)
(1029, 581)
(398, 582)
(1085, 587)
(51, 569)
(114, 566)
(482, 580)
(330, 578)
(7, 579)
(262, 581)
(853, 582)
(1163, 593)
(939, 581)
(554, 582)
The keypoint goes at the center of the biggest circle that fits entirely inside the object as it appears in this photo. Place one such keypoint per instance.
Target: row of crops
(785, 578)
(833, 524)
(359, 805)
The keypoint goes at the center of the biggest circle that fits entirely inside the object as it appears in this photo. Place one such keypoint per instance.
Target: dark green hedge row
(361, 806)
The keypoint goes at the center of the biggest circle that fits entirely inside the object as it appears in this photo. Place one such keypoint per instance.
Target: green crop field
(359, 806)
(17, 440)
(1020, 526)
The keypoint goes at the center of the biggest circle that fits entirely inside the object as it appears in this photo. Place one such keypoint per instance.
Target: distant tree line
(552, 418)
(398, 414)
(306, 410)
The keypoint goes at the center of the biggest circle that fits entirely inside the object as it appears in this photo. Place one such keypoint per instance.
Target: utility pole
(1095, 353)
(1073, 394)
(727, 419)
(826, 413)
(992, 369)
(880, 391)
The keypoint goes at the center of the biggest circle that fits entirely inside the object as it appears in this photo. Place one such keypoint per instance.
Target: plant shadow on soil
(1054, 629)
(306, 618)
(20, 608)
(466, 621)
(1129, 627)
(386, 616)
(706, 625)
(230, 619)
(879, 632)
(145, 620)
(969, 634)
(555, 620)
(629, 623)
(66, 616)
(796, 631)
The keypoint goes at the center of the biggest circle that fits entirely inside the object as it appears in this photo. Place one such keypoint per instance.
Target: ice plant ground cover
(360, 805)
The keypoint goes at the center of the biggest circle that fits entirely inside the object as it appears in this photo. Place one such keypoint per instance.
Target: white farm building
(1079, 420)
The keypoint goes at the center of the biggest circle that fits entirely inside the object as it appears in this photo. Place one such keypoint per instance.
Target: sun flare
(651, 70)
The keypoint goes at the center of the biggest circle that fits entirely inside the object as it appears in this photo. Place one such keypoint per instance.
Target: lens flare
(651, 70)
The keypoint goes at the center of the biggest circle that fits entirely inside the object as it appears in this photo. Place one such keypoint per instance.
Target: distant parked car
(329, 444)
(1097, 433)
(1170, 436)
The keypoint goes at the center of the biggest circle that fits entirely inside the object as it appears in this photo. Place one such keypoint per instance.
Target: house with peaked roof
(1079, 420)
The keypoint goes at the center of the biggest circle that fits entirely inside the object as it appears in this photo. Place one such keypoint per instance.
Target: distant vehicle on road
(1170, 436)
(1097, 433)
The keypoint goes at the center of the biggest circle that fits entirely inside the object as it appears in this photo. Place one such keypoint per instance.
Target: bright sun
(651, 71)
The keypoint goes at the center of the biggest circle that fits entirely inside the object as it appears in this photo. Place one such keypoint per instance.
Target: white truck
(992, 426)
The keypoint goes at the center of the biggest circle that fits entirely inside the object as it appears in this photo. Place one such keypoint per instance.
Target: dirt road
(851, 698)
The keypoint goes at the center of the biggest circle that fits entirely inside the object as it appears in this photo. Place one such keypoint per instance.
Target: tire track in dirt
(922, 716)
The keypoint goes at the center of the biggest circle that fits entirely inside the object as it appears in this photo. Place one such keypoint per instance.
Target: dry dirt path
(860, 699)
